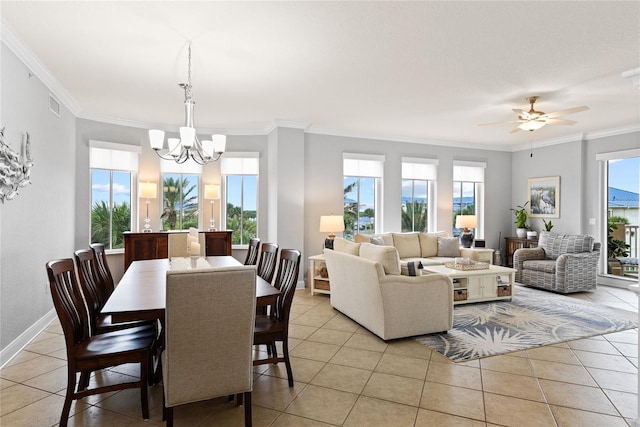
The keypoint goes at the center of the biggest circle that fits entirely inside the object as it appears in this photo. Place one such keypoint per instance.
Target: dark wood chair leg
(83, 382)
(239, 399)
(144, 398)
(247, 409)
(287, 363)
(169, 413)
(68, 398)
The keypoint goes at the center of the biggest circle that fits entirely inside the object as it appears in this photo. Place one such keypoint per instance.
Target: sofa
(561, 263)
(428, 248)
(366, 285)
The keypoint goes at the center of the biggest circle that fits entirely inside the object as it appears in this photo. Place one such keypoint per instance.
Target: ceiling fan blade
(516, 129)
(564, 112)
(560, 122)
(500, 123)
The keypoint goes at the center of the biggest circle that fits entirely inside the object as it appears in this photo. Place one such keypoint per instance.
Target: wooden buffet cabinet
(515, 243)
(139, 246)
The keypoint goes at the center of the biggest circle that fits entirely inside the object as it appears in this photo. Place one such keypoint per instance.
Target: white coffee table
(490, 284)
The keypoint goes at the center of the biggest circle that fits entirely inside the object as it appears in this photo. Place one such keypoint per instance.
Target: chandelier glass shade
(188, 145)
(532, 125)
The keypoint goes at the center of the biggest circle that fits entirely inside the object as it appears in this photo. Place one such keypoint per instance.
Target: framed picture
(544, 197)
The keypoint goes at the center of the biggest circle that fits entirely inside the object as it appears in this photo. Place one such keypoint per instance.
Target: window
(362, 193)
(113, 170)
(468, 193)
(240, 177)
(621, 212)
(180, 201)
(418, 194)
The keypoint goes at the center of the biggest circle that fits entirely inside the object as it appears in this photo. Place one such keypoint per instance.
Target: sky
(625, 174)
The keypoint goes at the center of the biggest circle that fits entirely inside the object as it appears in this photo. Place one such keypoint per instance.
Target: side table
(318, 277)
(478, 254)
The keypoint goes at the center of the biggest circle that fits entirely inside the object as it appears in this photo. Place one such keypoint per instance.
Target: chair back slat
(104, 272)
(88, 275)
(286, 280)
(68, 301)
(268, 259)
(252, 252)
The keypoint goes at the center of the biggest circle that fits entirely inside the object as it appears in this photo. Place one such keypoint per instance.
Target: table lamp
(148, 190)
(331, 224)
(466, 222)
(212, 192)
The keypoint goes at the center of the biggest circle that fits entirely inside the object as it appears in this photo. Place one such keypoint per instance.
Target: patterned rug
(534, 318)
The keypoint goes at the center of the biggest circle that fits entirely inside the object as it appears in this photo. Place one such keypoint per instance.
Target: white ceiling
(420, 71)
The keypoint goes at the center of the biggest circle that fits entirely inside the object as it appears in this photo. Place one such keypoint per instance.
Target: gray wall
(38, 225)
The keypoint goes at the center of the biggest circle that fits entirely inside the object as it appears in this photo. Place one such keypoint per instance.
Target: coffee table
(489, 284)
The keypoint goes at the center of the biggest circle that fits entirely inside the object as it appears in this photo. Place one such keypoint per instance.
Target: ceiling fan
(533, 120)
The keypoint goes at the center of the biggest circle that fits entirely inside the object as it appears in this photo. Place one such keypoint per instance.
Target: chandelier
(188, 145)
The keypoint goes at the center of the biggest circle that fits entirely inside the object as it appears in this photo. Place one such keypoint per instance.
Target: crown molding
(20, 49)
(279, 123)
(579, 137)
(424, 141)
(613, 132)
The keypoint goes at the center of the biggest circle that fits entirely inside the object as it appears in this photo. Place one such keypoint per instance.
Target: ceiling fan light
(532, 125)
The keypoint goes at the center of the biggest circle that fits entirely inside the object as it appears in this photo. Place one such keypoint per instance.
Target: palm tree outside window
(180, 201)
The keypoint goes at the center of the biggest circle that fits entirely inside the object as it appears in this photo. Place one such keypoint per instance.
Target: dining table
(141, 293)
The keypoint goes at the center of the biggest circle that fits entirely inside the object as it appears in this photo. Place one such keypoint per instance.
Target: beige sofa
(428, 248)
(367, 286)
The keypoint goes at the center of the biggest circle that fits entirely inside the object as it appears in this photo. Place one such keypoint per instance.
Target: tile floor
(345, 376)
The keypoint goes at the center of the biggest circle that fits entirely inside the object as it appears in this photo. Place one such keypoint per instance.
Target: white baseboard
(300, 284)
(10, 351)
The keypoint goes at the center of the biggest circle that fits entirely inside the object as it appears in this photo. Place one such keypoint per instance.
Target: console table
(139, 246)
(515, 243)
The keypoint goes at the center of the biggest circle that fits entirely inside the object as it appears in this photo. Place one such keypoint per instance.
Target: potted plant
(521, 219)
(616, 248)
(547, 225)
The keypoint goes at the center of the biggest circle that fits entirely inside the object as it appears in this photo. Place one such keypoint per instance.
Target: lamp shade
(148, 190)
(466, 221)
(211, 191)
(331, 223)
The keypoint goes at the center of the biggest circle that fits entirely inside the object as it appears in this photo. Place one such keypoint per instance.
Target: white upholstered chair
(178, 245)
(209, 320)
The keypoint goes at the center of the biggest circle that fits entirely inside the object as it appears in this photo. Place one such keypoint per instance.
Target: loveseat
(367, 286)
(561, 263)
(434, 248)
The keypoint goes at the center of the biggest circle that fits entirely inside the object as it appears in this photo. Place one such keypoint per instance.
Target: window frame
(367, 166)
(181, 214)
(469, 172)
(422, 170)
(242, 164)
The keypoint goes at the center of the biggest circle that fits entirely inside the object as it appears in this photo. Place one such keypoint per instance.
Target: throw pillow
(448, 247)
(377, 240)
(409, 268)
(407, 244)
(385, 255)
(343, 245)
(429, 243)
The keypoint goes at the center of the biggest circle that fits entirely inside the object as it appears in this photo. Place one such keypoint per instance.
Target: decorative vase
(521, 232)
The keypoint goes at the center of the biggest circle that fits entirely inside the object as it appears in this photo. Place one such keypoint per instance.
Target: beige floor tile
(44, 412)
(52, 382)
(519, 386)
(410, 348)
(628, 337)
(330, 336)
(127, 402)
(568, 417)
(562, 372)
(577, 396)
(439, 358)
(322, 404)
(98, 417)
(341, 323)
(452, 400)
(510, 411)
(19, 396)
(315, 351)
(553, 354)
(303, 369)
(629, 350)
(428, 418)
(23, 356)
(605, 361)
(372, 413)
(323, 309)
(625, 403)
(229, 414)
(288, 420)
(612, 380)
(406, 391)
(343, 378)
(404, 366)
(366, 342)
(55, 327)
(301, 332)
(6, 383)
(594, 345)
(274, 393)
(454, 374)
(43, 336)
(310, 320)
(32, 368)
(50, 345)
(356, 358)
(508, 364)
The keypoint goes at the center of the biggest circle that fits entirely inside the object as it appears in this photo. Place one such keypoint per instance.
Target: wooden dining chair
(95, 296)
(209, 320)
(252, 252)
(273, 327)
(268, 258)
(86, 353)
(104, 272)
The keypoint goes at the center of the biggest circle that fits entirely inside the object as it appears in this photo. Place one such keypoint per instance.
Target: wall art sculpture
(15, 170)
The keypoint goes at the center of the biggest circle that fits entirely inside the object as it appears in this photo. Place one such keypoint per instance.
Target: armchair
(561, 263)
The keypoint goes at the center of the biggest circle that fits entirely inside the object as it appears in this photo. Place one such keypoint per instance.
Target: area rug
(533, 318)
